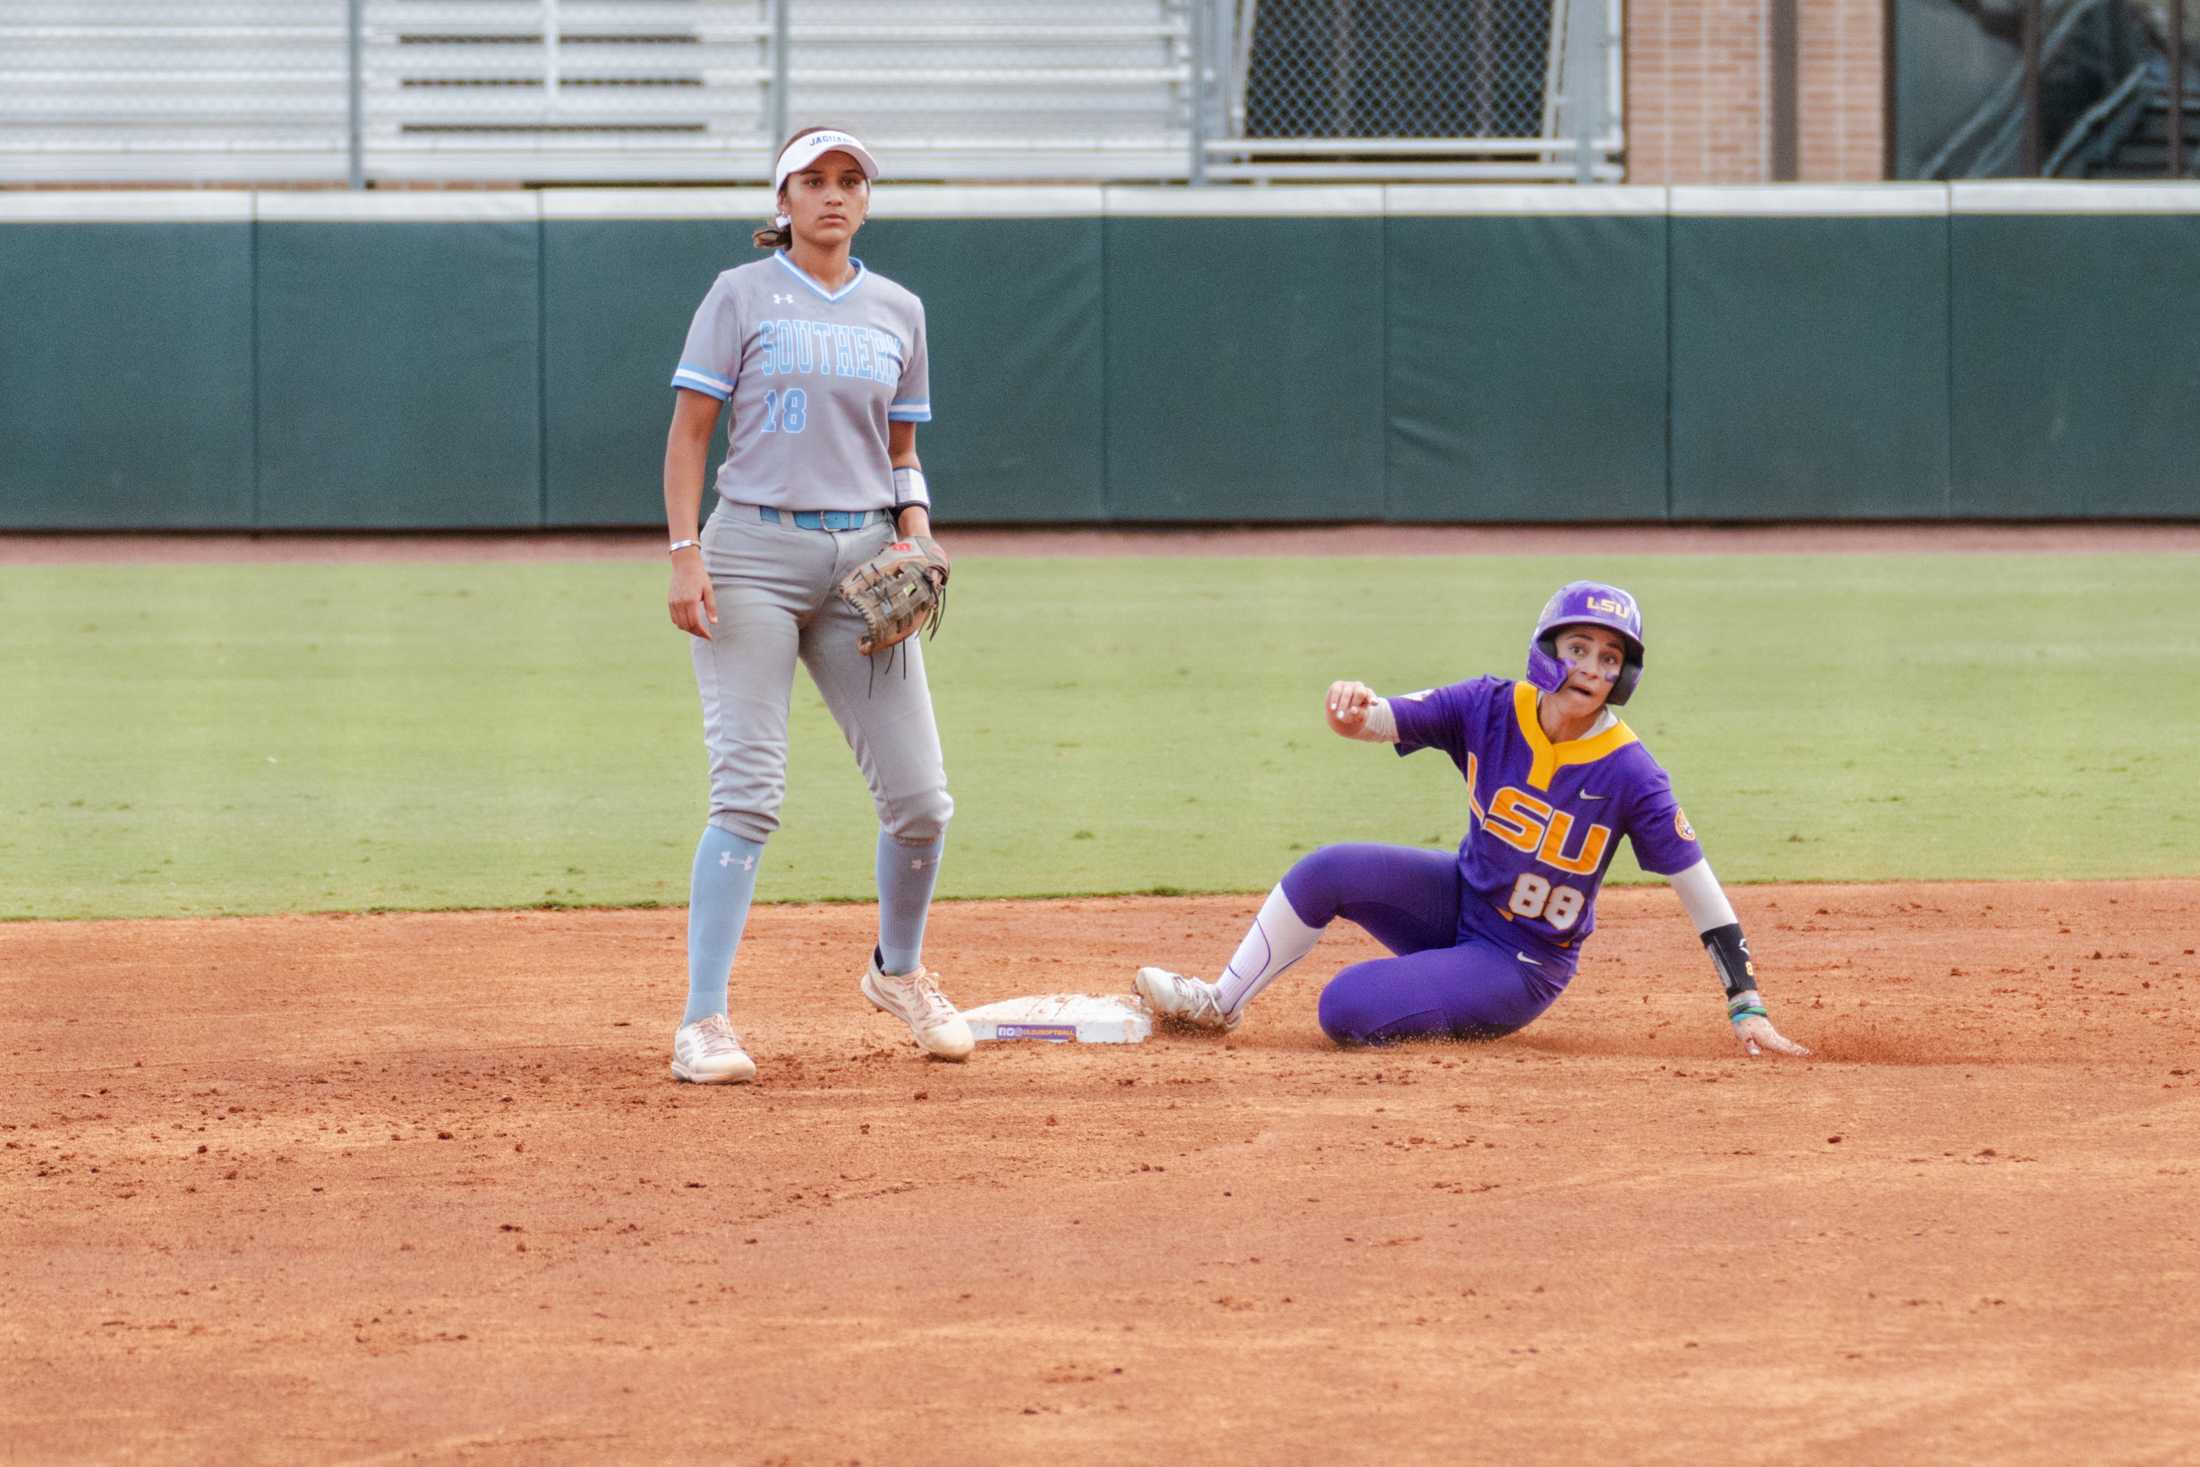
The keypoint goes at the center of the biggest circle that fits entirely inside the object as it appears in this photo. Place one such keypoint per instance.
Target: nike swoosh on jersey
(1531, 962)
(1587, 796)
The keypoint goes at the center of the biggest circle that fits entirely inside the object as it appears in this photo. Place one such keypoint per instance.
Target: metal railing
(694, 91)
(2077, 52)
(2094, 135)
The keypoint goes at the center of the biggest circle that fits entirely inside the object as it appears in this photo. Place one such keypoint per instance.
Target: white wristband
(1381, 726)
(911, 490)
(680, 545)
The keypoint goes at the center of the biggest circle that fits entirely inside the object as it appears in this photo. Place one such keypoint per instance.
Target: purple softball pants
(1449, 978)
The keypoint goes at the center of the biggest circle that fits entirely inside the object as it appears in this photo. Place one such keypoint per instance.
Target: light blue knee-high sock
(906, 875)
(719, 892)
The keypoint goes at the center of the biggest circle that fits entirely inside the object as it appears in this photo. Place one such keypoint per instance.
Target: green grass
(209, 739)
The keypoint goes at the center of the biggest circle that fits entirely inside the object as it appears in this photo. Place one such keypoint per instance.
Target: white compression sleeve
(1275, 941)
(1381, 726)
(1701, 894)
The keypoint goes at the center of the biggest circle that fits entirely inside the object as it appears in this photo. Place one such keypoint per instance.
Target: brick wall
(1841, 97)
(1699, 90)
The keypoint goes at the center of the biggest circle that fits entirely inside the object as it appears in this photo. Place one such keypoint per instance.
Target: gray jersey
(814, 377)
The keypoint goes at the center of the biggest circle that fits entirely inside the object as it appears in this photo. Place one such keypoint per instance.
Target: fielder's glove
(898, 591)
(1747, 1012)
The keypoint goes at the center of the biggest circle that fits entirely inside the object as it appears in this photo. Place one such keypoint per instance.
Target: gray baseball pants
(776, 603)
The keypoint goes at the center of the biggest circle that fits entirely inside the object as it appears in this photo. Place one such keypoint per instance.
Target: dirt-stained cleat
(709, 1052)
(916, 1000)
(1192, 1003)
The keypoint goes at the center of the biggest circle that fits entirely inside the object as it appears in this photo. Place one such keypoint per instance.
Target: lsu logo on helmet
(1594, 603)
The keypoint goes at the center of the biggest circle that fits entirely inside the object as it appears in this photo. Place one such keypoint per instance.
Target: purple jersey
(1546, 817)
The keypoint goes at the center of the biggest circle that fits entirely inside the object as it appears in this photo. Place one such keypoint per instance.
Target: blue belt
(823, 519)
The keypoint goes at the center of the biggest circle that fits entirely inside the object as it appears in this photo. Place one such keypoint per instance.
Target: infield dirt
(418, 1188)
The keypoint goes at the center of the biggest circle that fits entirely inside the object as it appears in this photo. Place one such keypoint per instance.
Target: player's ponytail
(777, 235)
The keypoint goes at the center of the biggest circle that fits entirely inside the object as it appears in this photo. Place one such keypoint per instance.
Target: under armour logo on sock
(725, 858)
(916, 863)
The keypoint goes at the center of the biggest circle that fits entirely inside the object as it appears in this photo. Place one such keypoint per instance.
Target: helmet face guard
(1586, 603)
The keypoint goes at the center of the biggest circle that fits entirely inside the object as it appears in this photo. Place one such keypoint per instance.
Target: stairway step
(2137, 157)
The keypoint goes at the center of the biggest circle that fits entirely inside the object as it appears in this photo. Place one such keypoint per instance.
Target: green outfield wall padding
(1527, 368)
(1013, 317)
(2077, 366)
(1245, 369)
(508, 373)
(125, 376)
(618, 296)
(399, 375)
(1810, 368)
(1013, 322)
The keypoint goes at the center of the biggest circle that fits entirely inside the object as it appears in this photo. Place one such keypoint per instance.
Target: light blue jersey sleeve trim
(696, 380)
(909, 412)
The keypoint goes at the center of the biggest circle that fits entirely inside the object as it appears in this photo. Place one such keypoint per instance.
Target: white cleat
(709, 1052)
(1191, 1002)
(916, 1000)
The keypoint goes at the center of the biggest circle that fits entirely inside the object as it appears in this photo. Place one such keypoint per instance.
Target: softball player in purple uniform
(823, 364)
(1487, 937)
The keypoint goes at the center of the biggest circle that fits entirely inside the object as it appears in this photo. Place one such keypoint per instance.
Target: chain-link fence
(613, 91)
(1421, 89)
(1322, 68)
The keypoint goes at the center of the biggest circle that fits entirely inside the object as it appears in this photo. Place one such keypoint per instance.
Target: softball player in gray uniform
(823, 364)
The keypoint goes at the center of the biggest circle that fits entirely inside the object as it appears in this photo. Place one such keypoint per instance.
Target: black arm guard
(1730, 955)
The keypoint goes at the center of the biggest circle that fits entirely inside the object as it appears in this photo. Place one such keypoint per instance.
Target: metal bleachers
(128, 90)
(588, 90)
(505, 92)
(1033, 89)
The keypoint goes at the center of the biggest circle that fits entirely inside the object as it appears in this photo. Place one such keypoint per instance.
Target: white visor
(811, 146)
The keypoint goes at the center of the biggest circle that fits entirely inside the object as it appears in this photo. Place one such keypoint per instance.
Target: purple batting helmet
(1586, 603)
